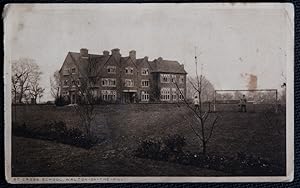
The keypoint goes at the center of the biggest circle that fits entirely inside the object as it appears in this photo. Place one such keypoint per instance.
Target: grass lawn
(124, 126)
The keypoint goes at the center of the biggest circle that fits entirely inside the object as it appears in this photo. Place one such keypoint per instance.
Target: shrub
(61, 101)
(56, 131)
(149, 149)
(174, 143)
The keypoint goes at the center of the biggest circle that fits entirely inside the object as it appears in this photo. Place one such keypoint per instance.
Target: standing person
(243, 103)
(196, 103)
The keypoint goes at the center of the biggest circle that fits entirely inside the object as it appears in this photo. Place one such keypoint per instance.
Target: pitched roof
(158, 65)
(167, 66)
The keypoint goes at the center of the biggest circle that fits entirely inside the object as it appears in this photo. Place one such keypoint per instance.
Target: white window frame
(165, 78)
(111, 68)
(174, 94)
(143, 83)
(129, 81)
(74, 68)
(145, 96)
(179, 93)
(109, 95)
(107, 82)
(165, 94)
(129, 70)
(145, 71)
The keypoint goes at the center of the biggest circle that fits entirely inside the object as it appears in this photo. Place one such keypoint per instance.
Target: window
(65, 93)
(129, 83)
(144, 96)
(145, 71)
(129, 70)
(108, 95)
(164, 78)
(173, 78)
(111, 69)
(66, 84)
(181, 79)
(181, 93)
(174, 94)
(145, 83)
(73, 70)
(165, 94)
(109, 82)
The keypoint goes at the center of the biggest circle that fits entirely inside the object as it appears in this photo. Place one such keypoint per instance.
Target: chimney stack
(84, 52)
(106, 53)
(132, 54)
(146, 58)
(115, 51)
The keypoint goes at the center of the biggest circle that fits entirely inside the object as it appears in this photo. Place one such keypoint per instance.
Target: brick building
(122, 79)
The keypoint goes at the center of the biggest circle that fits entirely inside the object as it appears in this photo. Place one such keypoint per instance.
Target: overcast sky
(231, 40)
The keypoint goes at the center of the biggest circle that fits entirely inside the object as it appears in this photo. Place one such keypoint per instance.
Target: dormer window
(129, 70)
(145, 71)
(73, 70)
(111, 69)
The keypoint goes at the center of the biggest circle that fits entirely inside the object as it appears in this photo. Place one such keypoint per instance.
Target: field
(124, 126)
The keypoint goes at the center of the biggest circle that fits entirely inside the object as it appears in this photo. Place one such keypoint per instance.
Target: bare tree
(55, 85)
(36, 91)
(25, 72)
(207, 92)
(85, 84)
(205, 122)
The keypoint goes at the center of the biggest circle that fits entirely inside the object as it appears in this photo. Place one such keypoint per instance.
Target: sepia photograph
(173, 92)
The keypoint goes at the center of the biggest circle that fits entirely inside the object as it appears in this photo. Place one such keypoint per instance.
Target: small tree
(205, 121)
(85, 82)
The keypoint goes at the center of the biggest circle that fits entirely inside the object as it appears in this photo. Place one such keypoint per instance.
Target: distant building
(122, 79)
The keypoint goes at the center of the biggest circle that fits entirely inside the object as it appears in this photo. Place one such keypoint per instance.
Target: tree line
(25, 78)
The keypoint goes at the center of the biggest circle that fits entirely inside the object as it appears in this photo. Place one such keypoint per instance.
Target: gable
(68, 63)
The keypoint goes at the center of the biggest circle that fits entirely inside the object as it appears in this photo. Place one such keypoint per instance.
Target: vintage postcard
(177, 92)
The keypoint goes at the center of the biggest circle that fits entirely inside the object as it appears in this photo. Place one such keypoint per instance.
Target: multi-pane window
(145, 71)
(165, 94)
(111, 69)
(145, 83)
(144, 96)
(108, 95)
(181, 79)
(129, 83)
(173, 78)
(66, 72)
(174, 94)
(129, 70)
(164, 78)
(181, 93)
(109, 82)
